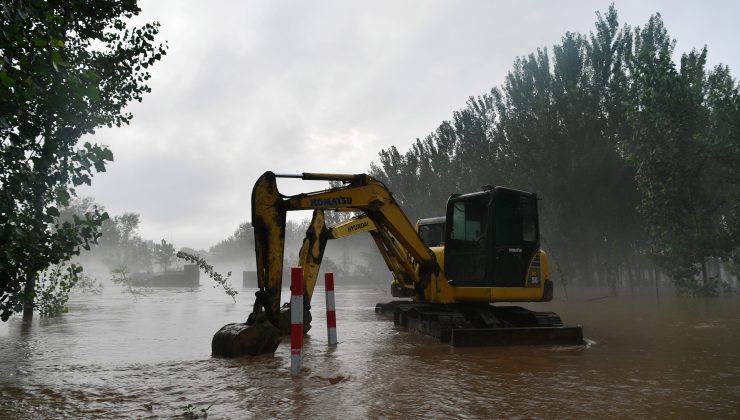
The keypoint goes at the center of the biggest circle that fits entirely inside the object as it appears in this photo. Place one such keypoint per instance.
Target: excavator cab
(490, 237)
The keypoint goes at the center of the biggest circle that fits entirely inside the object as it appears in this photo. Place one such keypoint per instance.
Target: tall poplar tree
(66, 69)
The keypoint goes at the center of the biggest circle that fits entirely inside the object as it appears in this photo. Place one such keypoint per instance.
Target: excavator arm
(318, 234)
(314, 244)
(398, 241)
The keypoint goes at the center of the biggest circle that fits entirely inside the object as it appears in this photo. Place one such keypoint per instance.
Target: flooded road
(113, 357)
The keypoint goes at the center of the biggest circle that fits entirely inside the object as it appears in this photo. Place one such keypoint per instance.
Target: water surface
(113, 357)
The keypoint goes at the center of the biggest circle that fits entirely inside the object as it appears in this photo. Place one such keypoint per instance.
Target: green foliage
(120, 230)
(189, 412)
(53, 286)
(633, 156)
(551, 128)
(164, 253)
(241, 243)
(88, 285)
(121, 244)
(684, 141)
(215, 276)
(236, 246)
(67, 68)
(461, 155)
(122, 277)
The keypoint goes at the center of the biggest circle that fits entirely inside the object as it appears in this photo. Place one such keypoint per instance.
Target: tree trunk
(612, 277)
(630, 276)
(657, 288)
(29, 293)
(705, 277)
(643, 277)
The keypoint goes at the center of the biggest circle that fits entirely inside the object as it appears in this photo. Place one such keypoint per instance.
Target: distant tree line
(236, 247)
(636, 157)
(120, 246)
(239, 247)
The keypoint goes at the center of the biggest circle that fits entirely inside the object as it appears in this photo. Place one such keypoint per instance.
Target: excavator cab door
(490, 237)
(466, 239)
(516, 235)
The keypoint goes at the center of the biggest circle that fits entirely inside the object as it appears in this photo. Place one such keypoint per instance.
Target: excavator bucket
(237, 339)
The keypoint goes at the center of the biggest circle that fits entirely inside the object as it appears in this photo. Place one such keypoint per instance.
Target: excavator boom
(360, 193)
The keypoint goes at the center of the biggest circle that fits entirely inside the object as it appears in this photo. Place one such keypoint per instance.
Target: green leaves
(54, 88)
(685, 194)
(604, 125)
(39, 42)
(6, 80)
(164, 253)
(221, 280)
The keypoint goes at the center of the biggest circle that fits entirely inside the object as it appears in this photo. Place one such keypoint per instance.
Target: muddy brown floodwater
(113, 357)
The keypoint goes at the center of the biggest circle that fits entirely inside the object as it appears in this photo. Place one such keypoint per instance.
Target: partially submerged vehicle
(450, 273)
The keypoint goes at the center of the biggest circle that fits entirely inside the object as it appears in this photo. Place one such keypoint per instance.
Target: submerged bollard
(296, 320)
(331, 315)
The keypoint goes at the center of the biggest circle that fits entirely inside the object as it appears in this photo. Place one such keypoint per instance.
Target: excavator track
(481, 325)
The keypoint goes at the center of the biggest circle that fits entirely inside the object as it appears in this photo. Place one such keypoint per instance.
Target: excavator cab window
(466, 239)
(432, 231)
(469, 221)
(491, 237)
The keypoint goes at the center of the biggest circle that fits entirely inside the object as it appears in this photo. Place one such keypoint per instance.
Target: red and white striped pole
(296, 320)
(331, 315)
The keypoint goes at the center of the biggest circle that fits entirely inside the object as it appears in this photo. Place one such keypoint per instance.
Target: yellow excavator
(447, 271)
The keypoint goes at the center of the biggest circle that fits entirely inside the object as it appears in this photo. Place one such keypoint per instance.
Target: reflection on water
(113, 357)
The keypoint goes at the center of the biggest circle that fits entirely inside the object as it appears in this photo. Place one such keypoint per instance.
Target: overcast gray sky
(322, 86)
